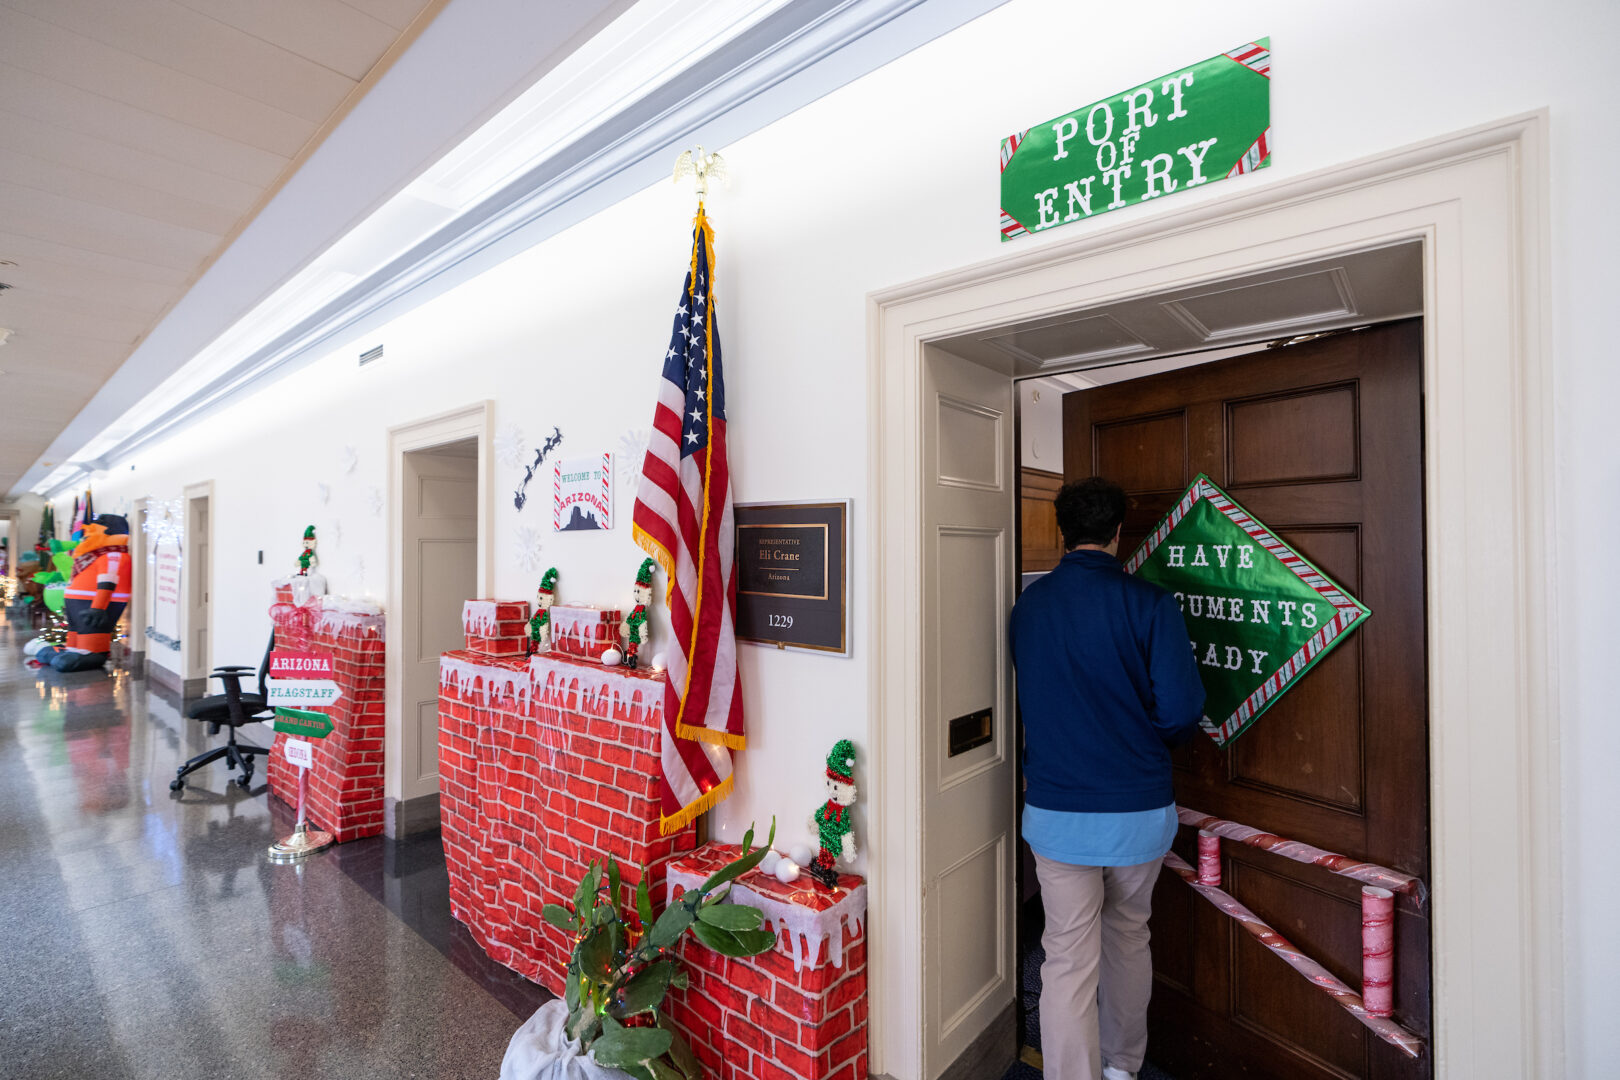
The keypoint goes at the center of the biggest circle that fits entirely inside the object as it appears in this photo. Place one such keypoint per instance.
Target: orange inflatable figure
(96, 595)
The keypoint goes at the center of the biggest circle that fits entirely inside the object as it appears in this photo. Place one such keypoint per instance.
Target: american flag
(684, 519)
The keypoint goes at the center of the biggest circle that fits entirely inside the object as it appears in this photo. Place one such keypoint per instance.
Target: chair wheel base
(176, 785)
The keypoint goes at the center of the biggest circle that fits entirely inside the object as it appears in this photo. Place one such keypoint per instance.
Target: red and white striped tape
(1009, 147)
(1010, 226)
(1254, 156)
(1254, 56)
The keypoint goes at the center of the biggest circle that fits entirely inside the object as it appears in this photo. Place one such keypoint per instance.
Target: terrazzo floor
(145, 935)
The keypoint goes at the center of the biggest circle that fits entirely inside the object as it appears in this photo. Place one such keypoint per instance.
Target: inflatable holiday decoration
(832, 822)
(635, 623)
(540, 624)
(95, 596)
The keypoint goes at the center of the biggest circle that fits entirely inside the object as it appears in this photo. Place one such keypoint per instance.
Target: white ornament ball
(770, 862)
(787, 870)
(801, 854)
(33, 646)
(658, 661)
(612, 657)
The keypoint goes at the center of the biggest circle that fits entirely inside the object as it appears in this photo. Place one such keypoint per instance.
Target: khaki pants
(1098, 973)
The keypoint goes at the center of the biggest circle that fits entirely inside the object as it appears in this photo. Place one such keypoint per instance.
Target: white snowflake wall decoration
(334, 532)
(349, 458)
(357, 569)
(510, 449)
(528, 549)
(632, 452)
(323, 493)
(374, 501)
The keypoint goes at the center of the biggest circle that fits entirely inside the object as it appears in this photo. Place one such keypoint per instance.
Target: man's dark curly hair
(1089, 510)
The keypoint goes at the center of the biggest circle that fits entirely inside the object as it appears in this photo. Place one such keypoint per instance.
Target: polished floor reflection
(143, 933)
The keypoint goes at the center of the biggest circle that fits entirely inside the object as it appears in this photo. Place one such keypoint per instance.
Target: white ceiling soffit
(777, 58)
(1355, 289)
(139, 136)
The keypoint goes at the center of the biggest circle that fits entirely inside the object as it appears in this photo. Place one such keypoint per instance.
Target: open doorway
(1322, 440)
(440, 477)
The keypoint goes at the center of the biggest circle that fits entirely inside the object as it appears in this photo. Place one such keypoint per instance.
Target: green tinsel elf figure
(540, 623)
(832, 821)
(635, 626)
(307, 559)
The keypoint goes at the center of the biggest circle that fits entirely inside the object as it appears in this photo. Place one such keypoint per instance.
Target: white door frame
(138, 583)
(196, 684)
(1478, 201)
(475, 421)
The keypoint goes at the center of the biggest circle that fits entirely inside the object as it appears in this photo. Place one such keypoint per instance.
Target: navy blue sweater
(1107, 683)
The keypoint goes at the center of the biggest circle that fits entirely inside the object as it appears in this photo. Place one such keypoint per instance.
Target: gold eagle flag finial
(701, 167)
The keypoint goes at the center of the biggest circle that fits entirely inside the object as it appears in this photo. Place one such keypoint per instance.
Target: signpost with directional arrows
(285, 694)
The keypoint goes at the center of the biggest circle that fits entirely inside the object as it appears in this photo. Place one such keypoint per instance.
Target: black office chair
(231, 709)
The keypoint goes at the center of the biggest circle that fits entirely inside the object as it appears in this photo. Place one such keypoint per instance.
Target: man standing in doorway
(1107, 684)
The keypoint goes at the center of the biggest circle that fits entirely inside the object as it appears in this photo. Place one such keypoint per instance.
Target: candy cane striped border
(1009, 147)
(1254, 157)
(1254, 56)
(607, 490)
(1348, 613)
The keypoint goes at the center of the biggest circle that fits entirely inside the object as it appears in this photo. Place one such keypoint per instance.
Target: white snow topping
(554, 679)
(463, 672)
(807, 928)
(478, 617)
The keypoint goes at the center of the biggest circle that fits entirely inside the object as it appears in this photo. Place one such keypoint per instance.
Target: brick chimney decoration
(548, 763)
(346, 781)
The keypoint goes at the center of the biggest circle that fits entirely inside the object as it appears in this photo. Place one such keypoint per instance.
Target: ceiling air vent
(371, 354)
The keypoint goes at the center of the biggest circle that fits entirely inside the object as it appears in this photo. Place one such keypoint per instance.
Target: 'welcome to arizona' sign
(1259, 614)
(1201, 124)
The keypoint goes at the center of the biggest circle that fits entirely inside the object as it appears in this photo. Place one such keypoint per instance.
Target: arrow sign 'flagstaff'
(316, 692)
(303, 723)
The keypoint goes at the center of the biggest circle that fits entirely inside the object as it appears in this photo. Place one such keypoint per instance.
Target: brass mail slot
(967, 732)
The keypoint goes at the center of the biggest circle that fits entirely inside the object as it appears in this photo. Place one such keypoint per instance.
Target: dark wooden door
(1323, 442)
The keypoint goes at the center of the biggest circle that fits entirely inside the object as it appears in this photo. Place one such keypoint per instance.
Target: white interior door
(969, 827)
(440, 534)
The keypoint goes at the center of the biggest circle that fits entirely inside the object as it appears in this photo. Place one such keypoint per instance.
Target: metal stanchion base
(302, 842)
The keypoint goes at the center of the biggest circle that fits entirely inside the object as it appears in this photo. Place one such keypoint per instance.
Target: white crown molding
(789, 59)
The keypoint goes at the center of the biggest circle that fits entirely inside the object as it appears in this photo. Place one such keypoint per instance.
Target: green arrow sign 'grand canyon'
(1190, 128)
(1259, 614)
(304, 723)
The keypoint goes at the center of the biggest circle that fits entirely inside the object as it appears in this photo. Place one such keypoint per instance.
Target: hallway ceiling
(1147, 334)
(140, 137)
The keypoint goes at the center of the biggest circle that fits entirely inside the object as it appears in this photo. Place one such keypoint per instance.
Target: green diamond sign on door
(1204, 123)
(1259, 614)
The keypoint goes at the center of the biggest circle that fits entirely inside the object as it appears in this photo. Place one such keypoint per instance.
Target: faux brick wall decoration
(346, 784)
(796, 1013)
(545, 763)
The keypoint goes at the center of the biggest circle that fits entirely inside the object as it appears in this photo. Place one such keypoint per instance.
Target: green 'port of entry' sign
(1259, 614)
(1201, 124)
(304, 723)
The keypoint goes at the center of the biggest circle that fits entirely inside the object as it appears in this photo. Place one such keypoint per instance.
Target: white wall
(890, 179)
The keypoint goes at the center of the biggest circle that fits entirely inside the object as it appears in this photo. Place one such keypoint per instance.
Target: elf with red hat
(832, 822)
